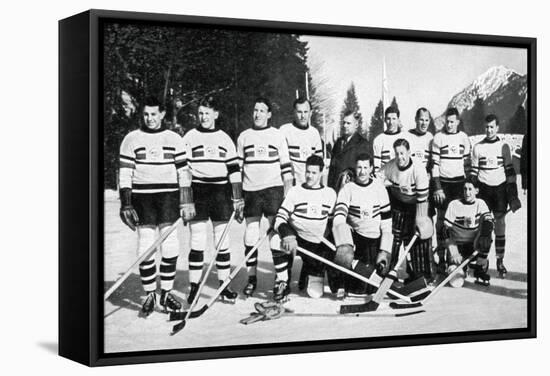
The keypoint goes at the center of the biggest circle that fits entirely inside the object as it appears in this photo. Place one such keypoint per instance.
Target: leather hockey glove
(383, 260)
(289, 244)
(512, 197)
(187, 207)
(127, 212)
(238, 201)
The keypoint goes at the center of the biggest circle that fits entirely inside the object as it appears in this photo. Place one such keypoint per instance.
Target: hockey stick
(349, 272)
(391, 277)
(139, 260)
(205, 276)
(177, 315)
(437, 288)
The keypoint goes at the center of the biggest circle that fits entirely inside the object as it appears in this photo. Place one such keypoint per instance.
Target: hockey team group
(373, 216)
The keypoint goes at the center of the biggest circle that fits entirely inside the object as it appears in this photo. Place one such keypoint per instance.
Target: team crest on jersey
(154, 154)
(210, 151)
(313, 210)
(419, 154)
(491, 162)
(260, 151)
(304, 152)
(366, 213)
(454, 149)
(469, 222)
(406, 189)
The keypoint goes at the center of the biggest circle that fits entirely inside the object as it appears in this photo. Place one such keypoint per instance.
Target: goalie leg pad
(422, 258)
(315, 286)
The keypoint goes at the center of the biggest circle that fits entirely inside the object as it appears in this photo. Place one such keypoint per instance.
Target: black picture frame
(80, 180)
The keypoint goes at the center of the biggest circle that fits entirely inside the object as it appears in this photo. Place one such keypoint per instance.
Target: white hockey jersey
(462, 219)
(302, 142)
(492, 162)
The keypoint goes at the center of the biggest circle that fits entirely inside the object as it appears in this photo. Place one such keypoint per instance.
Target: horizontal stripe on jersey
(307, 211)
(212, 156)
(263, 154)
(383, 148)
(409, 185)
(462, 219)
(492, 161)
(302, 142)
(450, 154)
(365, 208)
(152, 162)
(420, 145)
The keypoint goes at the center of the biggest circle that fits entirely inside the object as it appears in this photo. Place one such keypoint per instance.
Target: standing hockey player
(267, 176)
(215, 191)
(451, 159)
(420, 140)
(468, 227)
(383, 143)
(492, 166)
(407, 181)
(152, 176)
(364, 206)
(345, 151)
(302, 221)
(303, 140)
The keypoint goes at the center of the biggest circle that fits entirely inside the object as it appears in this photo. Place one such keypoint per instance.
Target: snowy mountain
(499, 90)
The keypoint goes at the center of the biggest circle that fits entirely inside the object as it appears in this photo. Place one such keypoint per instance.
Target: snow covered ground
(503, 305)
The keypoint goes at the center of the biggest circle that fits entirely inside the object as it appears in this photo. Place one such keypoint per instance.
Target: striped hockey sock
(167, 272)
(223, 264)
(252, 262)
(280, 261)
(196, 261)
(148, 274)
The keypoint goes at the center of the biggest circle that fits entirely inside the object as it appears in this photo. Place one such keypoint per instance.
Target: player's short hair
(210, 102)
(301, 100)
(422, 110)
(402, 142)
(491, 117)
(315, 160)
(152, 101)
(392, 110)
(265, 101)
(471, 180)
(350, 113)
(364, 157)
(452, 111)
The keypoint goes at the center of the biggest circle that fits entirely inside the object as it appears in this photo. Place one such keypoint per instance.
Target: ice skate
(281, 291)
(501, 269)
(149, 305)
(250, 287)
(169, 302)
(228, 295)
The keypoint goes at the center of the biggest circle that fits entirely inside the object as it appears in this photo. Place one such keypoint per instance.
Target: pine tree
(376, 122)
(394, 104)
(351, 103)
(518, 122)
(474, 119)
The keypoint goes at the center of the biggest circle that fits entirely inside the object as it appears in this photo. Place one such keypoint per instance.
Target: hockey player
(302, 221)
(152, 176)
(346, 150)
(451, 160)
(492, 166)
(267, 176)
(364, 206)
(407, 182)
(215, 191)
(468, 227)
(420, 140)
(383, 143)
(303, 140)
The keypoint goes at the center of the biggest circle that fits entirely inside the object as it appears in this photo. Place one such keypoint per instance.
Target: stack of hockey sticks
(190, 314)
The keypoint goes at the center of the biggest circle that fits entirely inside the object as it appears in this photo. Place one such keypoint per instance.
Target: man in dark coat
(345, 151)
(341, 171)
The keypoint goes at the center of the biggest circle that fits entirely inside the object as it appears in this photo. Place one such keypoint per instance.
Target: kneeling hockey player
(468, 227)
(152, 169)
(364, 206)
(302, 221)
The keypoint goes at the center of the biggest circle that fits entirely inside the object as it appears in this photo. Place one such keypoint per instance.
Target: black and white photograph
(265, 187)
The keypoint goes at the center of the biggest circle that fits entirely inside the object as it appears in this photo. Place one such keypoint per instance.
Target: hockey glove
(439, 198)
(127, 212)
(289, 244)
(512, 196)
(454, 256)
(344, 255)
(238, 201)
(423, 223)
(486, 226)
(187, 207)
(383, 260)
